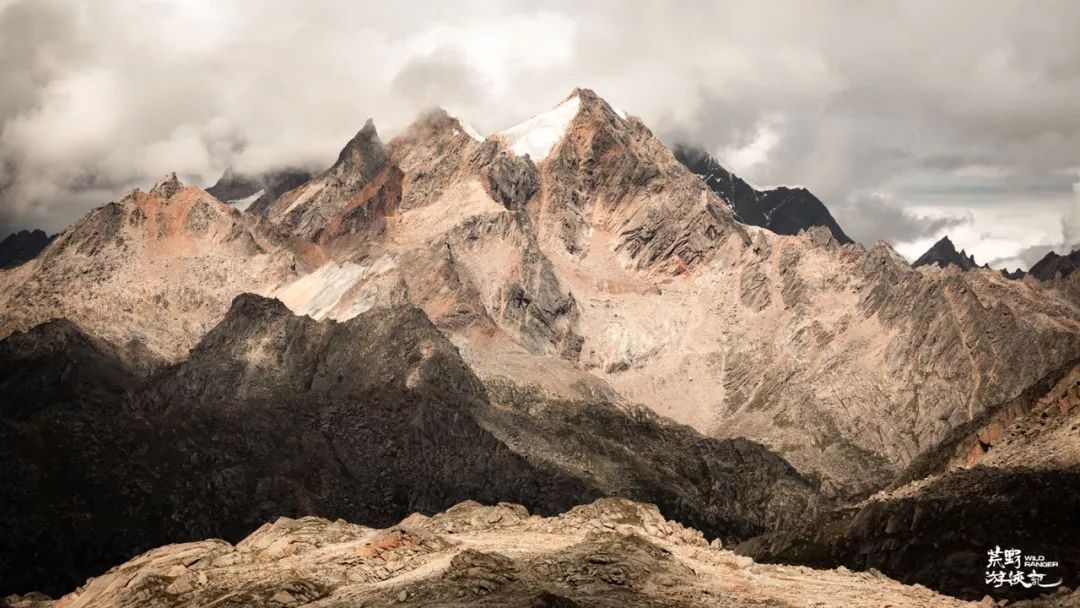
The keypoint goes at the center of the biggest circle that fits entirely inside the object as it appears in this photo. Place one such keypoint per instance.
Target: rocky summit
(943, 254)
(294, 384)
(783, 210)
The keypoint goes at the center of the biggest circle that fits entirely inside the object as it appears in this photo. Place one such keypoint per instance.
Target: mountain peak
(783, 210)
(1054, 264)
(363, 151)
(168, 186)
(22, 246)
(943, 253)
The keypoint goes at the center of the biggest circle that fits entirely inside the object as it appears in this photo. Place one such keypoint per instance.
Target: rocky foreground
(612, 552)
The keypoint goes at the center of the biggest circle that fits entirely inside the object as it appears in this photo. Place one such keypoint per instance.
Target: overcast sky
(909, 119)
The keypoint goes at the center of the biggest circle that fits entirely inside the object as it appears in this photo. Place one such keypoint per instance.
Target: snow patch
(319, 293)
(469, 130)
(620, 113)
(242, 204)
(538, 135)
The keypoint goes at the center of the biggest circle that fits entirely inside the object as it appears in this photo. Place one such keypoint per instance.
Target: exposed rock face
(22, 246)
(154, 270)
(274, 414)
(943, 254)
(604, 267)
(782, 210)
(609, 553)
(1008, 479)
(1055, 265)
(306, 210)
(255, 193)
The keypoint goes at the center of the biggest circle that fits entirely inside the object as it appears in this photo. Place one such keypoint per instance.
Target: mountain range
(560, 311)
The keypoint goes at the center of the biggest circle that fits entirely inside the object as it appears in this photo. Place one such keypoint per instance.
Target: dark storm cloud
(872, 105)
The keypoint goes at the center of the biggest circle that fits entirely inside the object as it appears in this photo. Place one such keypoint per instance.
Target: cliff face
(274, 414)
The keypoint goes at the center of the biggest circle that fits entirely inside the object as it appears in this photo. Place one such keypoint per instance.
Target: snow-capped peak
(538, 135)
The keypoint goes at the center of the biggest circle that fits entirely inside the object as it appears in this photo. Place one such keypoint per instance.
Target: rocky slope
(609, 553)
(574, 252)
(1008, 479)
(274, 414)
(22, 246)
(154, 270)
(782, 210)
(943, 254)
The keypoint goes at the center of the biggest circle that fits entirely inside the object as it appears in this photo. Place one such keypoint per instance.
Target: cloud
(1070, 223)
(960, 109)
(872, 217)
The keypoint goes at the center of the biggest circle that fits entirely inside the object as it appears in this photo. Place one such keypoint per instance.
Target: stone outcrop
(607, 554)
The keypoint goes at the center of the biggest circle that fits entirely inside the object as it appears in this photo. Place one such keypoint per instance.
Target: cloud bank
(908, 119)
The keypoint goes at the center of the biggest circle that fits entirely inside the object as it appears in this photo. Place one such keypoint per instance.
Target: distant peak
(943, 254)
(168, 186)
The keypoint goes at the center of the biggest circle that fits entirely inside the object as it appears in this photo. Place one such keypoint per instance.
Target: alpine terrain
(557, 365)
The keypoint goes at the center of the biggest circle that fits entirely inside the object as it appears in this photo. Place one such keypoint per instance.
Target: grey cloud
(964, 106)
(441, 78)
(870, 218)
